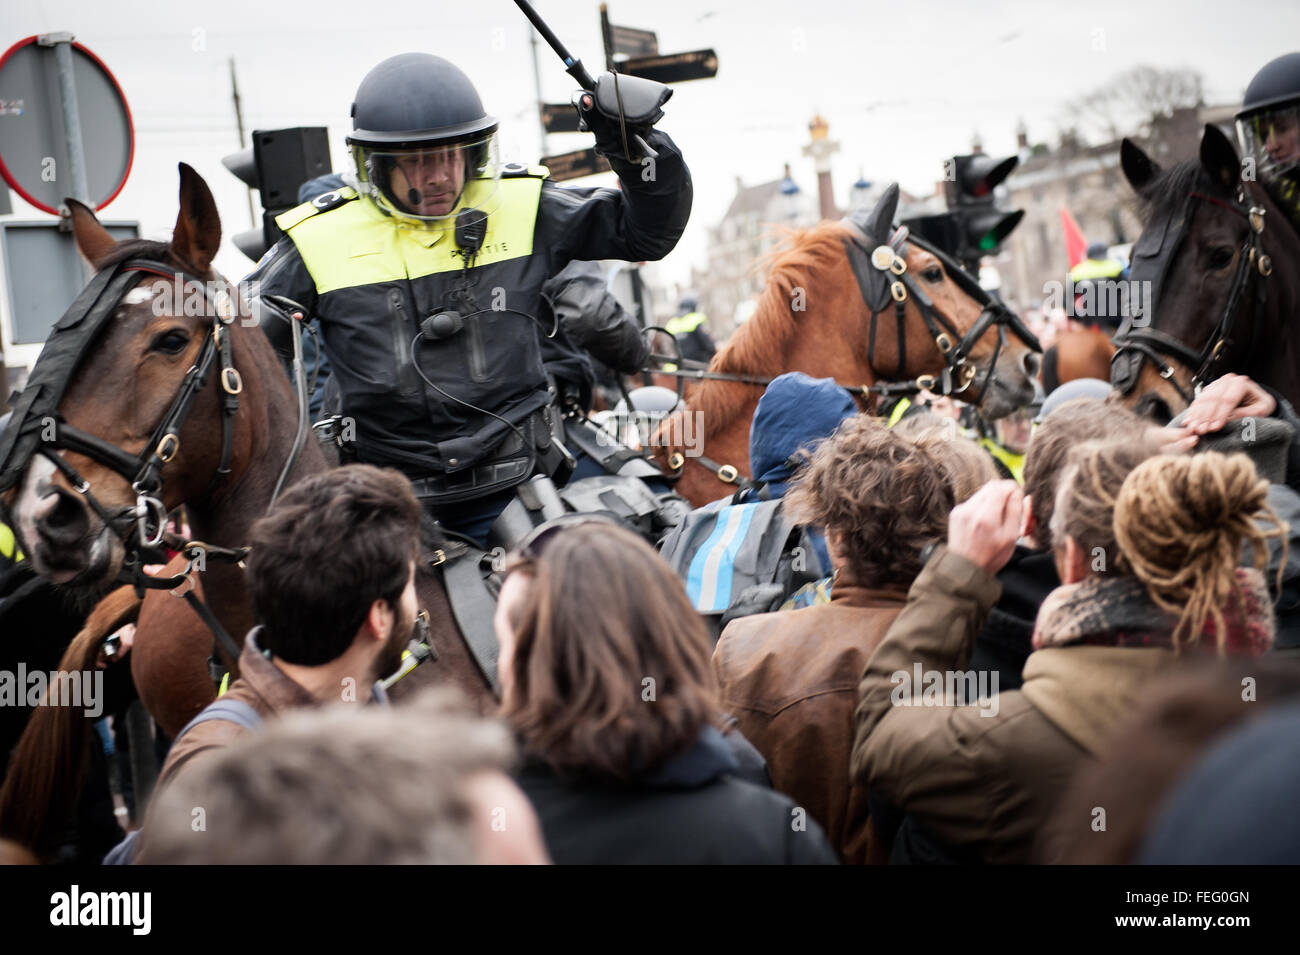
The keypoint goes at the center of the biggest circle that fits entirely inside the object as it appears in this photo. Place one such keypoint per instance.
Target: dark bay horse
(1217, 272)
(814, 317)
(119, 392)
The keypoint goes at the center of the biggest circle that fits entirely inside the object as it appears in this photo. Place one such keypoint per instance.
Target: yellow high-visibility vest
(1015, 463)
(685, 324)
(1096, 269)
(9, 548)
(354, 243)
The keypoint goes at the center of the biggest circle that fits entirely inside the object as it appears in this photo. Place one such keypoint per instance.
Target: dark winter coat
(691, 810)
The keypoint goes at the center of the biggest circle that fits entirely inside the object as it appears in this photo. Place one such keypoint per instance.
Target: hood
(711, 756)
(795, 412)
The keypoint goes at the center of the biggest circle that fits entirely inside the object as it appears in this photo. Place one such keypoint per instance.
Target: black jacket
(586, 320)
(493, 366)
(1004, 643)
(691, 810)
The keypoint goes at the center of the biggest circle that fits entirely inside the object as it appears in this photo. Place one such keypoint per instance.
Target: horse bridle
(1151, 344)
(892, 283)
(143, 471)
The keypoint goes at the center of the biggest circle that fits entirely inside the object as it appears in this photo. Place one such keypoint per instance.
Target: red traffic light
(973, 178)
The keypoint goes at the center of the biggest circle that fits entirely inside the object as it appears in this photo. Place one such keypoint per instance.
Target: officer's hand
(985, 528)
(620, 106)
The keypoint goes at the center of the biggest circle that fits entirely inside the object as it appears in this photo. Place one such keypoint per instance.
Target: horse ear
(1219, 157)
(93, 240)
(197, 235)
(1139, 168)
(879, 223)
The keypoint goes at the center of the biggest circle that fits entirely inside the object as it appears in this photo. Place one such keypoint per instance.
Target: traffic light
(973, 226)
(969, 190)
(278, 162)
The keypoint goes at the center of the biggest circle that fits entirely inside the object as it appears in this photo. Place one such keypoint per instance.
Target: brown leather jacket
(986, 777)
(262, 685)
(791, 681)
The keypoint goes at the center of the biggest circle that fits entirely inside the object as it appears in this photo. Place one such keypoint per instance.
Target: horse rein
(958, 374)
(144, 471)
(1154, 345)
(889, 260)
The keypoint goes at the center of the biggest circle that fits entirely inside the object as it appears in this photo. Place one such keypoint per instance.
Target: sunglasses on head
(540, 537)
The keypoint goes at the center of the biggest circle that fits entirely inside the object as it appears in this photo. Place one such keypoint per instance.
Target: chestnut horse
(119, 392)
(813, 317)
(1077, 353)
(1217, 272)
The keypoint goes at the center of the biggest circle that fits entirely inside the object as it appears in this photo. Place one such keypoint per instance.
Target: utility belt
(537, 448)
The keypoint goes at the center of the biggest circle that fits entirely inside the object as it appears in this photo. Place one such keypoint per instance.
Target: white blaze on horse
(153, 408)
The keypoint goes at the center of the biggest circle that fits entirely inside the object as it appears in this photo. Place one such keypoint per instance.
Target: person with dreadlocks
(1147, 547)
(1180, 523)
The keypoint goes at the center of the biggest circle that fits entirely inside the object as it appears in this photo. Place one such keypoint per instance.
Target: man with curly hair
(790, 678)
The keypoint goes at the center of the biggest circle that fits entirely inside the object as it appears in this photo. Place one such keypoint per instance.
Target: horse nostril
(45, 507)
(61, 518)
(1031, 363)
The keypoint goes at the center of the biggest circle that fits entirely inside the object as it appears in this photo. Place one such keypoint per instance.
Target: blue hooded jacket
(795, 412)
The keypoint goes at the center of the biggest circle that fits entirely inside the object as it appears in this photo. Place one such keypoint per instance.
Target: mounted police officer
(1268, 126)
(426, 277)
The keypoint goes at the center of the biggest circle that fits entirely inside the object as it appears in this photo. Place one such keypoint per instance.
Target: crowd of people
(1071, 640)
(994, 673)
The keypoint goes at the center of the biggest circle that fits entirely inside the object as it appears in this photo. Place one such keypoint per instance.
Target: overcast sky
(903, 84)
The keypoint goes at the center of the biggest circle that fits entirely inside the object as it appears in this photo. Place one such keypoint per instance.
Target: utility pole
(607, 38)
(537, 82)
(239, 125)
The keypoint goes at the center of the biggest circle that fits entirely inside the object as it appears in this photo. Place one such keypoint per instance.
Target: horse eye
(933, 274)
(170, 343)
(1220, 257)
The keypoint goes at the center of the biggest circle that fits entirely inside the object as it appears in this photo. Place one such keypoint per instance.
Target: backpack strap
(233, 711)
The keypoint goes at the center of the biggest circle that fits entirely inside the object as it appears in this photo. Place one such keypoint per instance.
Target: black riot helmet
(1268, 126)
(424, 147)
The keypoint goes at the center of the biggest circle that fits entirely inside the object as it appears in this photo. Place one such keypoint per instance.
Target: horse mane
(136, 248)
(1172, 186)
(758, 346)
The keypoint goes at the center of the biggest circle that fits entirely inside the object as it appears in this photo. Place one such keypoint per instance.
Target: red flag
(1076, 246)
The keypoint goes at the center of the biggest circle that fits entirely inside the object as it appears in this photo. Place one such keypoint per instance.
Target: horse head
(1201, 300)
(74, 504)
(926, 319)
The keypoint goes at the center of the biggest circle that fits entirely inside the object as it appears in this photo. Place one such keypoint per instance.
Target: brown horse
(813, 317)
(119, 393)
(1217, 272)
(1077, 353)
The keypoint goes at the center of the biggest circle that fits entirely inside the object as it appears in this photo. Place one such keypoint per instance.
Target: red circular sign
(32, 140)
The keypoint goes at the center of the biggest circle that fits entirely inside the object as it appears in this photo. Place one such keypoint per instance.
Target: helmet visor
(431, 183)
(1271, 138)
(1015, 430)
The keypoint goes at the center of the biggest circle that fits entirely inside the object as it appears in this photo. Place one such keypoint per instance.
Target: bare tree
(1138, 99)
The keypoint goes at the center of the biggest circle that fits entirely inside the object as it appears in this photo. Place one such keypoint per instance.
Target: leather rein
(891, 283)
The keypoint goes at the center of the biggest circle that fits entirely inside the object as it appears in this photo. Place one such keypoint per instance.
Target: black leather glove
(620, 112)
